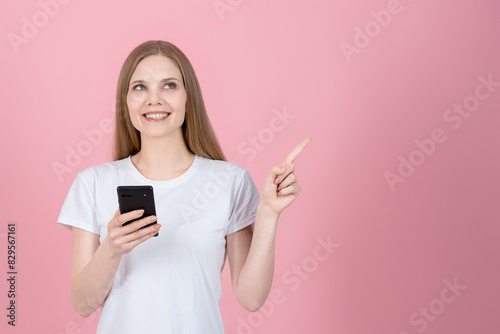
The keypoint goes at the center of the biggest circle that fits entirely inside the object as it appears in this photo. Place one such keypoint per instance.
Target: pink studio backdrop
(396, 229)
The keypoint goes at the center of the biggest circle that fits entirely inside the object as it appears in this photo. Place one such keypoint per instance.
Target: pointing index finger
(296, 151)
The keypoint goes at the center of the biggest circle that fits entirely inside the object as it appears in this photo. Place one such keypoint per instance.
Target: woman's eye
(139, 87)
(170, 85)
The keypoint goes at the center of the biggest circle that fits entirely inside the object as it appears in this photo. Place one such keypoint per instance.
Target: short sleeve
(244, 202)
(79, 206)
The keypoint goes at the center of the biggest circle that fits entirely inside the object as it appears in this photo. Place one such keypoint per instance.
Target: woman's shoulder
(233, 168)
(221, 164)
(105, 169)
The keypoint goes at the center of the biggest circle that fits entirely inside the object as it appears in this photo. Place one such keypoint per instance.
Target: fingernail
(284, 167)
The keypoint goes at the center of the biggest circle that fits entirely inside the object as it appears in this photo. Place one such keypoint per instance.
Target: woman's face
(156, 97)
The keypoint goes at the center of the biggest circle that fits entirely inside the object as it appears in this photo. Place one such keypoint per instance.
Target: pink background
(395, 248)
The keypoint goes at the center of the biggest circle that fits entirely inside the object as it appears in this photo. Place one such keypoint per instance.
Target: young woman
(206, 208)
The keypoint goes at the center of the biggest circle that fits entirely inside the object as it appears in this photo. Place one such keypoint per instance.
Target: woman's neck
(163, 159)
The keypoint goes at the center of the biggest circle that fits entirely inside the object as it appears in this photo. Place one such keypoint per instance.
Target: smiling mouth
(156, 116)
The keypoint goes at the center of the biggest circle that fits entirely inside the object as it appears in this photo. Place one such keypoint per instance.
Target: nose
(154, 98)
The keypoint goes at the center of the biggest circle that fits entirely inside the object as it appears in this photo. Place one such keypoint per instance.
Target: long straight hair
(197, 131)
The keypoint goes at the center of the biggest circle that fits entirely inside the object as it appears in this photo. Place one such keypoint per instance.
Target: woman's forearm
(256, 276)
(91, 286)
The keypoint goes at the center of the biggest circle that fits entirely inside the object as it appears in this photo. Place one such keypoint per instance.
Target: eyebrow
(162, 80)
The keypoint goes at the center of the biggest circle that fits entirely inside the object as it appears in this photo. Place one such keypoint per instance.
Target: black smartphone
(132, 198)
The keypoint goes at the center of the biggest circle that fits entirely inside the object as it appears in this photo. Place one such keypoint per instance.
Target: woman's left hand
(280, 187)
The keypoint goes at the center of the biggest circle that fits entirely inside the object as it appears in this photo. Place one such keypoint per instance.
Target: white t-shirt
(170, 283)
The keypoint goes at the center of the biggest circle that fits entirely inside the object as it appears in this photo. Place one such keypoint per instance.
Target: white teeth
(156, 116)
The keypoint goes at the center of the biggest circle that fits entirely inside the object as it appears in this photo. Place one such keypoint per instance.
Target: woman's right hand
(122, 239)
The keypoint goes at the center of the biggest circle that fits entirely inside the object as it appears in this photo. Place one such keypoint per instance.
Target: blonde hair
(197, 131)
